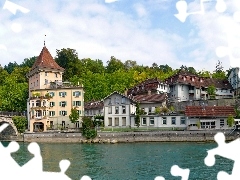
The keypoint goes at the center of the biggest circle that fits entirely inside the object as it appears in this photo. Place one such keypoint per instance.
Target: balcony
(191, 91)
(60, 84)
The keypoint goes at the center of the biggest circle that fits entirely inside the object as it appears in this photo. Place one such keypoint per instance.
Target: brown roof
(93, 105)
(209, 111)
(150, 98)
(145, 86)
(187, 78)
(46, 61)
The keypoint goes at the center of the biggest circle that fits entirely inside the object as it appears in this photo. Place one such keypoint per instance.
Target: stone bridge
(11, 130)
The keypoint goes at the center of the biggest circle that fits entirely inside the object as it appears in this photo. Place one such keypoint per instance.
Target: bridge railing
(7, 113)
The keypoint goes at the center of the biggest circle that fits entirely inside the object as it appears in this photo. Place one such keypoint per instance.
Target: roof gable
(46, 61)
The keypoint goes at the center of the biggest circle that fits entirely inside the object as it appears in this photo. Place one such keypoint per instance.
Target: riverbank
(124, 137)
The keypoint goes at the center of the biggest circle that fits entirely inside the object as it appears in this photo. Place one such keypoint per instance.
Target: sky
(145, 31)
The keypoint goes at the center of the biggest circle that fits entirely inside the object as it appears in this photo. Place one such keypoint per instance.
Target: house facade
(50, 99)
(185, 86)
(234, 80)
(94, 108)
(208, 117)
(117, 110)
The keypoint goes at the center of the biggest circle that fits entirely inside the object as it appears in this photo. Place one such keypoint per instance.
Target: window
(38, 103)
(174, 120)
(62, 94)
(123, 100)
(51, 94)
(182, 87)
(151, 120)
(183, 120)
(32, 104)
(116, 110)
(116, 121)
(110, 110)
(222, 122)
(37, 82)
(123, 109)
(44, 103)
(46, 73)
(144, 121)
(109, 121)
(44, 113)
(62, 113)
(51, 124)
(149, 109)
(123, 121)
(56, 75)
(46, 81)
(76, 103)
(164, 120)
(109, 101)
(117, 100)
(52, 104)
(51, 113)
(38, 113)
(79, 112)
(77, 93)
(63, 103)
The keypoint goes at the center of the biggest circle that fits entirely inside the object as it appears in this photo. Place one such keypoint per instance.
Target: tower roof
(46, 61)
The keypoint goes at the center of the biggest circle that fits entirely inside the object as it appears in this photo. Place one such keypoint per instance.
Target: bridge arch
(11, 130)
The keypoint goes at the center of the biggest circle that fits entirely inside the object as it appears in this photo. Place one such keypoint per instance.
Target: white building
(234, 80)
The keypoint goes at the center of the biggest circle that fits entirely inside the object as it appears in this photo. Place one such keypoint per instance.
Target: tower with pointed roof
(50, 99)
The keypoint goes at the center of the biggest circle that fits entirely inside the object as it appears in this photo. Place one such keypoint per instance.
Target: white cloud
(141, 11)
(110, 1)
(93, 29)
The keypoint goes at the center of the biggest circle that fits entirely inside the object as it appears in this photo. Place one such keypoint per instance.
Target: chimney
(149, 92)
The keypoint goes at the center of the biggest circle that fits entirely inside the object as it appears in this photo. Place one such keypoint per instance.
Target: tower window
(56, 75)
(46, 73)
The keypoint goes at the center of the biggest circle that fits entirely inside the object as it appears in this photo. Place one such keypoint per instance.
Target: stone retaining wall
(123, 137)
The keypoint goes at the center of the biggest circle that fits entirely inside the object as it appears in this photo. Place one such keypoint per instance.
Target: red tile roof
(209, 111)
(46, 61)
(150, 98)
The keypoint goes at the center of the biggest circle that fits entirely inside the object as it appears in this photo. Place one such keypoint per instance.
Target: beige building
(50, 99)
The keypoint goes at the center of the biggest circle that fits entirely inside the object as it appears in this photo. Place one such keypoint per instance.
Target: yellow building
(50, 99)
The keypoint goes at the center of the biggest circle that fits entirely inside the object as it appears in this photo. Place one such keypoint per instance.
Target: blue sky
(142, 30)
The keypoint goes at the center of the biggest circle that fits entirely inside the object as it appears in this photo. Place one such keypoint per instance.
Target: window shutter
(60, 103)
(79, 111)
(60, 93)
(53, 103)
(65, 93)
(65, 113)
(65, 103)
(79, 103)
(60, 113)
(74, 93)
(79, 93)
(74, 103)
(53, 113)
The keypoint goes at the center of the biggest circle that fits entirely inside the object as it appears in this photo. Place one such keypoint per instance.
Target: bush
(88, 128)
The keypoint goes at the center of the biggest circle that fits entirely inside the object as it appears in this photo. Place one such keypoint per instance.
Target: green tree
(10, 67)
(157, 110)
(68, 59)
(28, 62)
(74, 116)
(88, 128)
(20, 122)
(211, 91)
(113, 65)
(230, 121)
(138, 113)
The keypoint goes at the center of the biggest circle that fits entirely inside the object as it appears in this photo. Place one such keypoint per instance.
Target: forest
(98, 80)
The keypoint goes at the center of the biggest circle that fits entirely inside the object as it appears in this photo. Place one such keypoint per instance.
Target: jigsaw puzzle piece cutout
(34, 165)
(223, 150)
(181, 7)
(236, 16)
(159, 178)
(177, 171)
(220, 6)
(12, 7)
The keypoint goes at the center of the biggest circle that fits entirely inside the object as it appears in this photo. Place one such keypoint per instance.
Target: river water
(127, 160)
